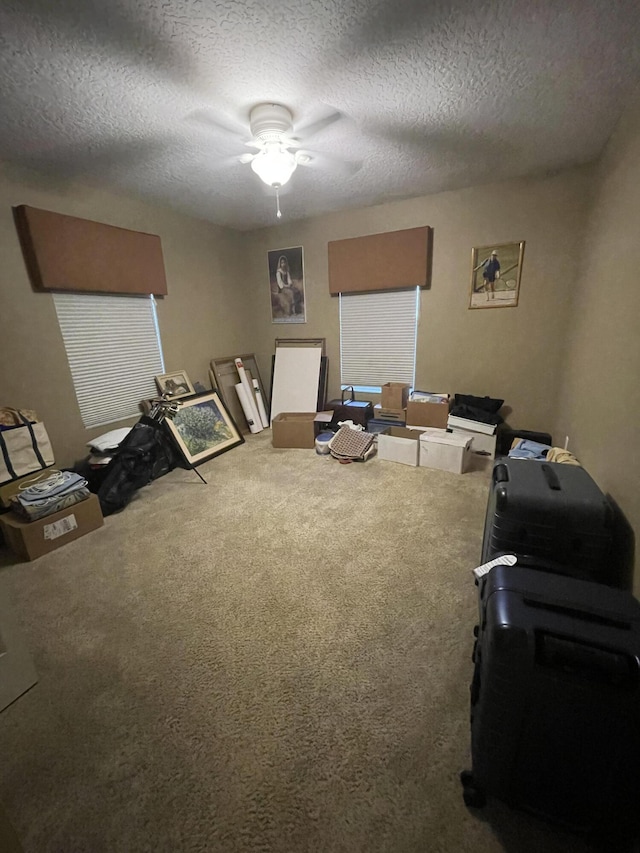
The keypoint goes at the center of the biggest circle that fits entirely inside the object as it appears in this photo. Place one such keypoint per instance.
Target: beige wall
(203, 315)
(599, 401)
(513, 353)
(565, 360)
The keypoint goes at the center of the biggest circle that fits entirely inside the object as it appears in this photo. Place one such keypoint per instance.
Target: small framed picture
(175, 384)
(495, 275)
(203, 428)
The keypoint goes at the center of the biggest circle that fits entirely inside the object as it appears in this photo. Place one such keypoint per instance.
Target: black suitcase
(555, 700)
(555, 514)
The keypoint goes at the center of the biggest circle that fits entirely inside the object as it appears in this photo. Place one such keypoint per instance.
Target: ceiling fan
(271, 127)
(278, 152)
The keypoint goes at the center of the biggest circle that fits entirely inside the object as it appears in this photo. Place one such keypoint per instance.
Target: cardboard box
(394, 395)
(398, 416)
(294, 429)
(446, 452)
(8, 490)
(427, 414)
(399, 444)
(32, 539)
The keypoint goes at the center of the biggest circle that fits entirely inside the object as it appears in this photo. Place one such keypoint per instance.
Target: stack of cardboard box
(393, 405)
(424, 441)
(32, 539)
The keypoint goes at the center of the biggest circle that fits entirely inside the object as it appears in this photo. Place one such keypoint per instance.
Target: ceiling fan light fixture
(274, 164)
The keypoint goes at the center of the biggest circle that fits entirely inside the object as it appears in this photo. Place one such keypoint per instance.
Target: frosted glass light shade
(274, 164)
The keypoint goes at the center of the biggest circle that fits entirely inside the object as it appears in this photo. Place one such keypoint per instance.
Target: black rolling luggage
(553, 513)
(555, 701)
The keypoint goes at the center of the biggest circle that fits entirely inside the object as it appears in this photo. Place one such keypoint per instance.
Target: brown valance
(390, 261)
(67, 253)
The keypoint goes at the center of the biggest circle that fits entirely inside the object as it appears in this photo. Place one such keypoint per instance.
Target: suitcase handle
(500, 473)
(584, 661)
(353, 394)
(551, 477)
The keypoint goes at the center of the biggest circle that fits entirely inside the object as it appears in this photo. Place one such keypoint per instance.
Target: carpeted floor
(277, 661)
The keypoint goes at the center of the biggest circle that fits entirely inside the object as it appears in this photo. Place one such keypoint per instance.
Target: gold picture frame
(175, 385)
(203, 428)
(286, 285)
(496, 271)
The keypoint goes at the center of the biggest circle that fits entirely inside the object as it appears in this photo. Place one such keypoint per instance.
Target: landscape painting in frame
(286, 285)
(495, 275)
(203, 428)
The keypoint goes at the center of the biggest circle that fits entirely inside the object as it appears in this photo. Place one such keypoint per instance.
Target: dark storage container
(554, 514)
(555, 701)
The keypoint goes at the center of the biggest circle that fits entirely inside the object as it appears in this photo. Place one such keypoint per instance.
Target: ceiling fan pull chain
(278, 211)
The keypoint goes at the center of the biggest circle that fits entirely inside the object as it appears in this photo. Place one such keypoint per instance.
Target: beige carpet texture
(276, 661)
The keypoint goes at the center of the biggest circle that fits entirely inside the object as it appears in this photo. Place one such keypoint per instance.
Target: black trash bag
(146, 454)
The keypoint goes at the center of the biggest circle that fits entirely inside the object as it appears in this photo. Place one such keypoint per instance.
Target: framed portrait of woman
(286, 285)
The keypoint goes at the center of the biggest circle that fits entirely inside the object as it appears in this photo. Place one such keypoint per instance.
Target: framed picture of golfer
(495, 275)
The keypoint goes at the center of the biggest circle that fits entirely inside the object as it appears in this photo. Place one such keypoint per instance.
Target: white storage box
(398, 444)
(445, 451)
(480, 441)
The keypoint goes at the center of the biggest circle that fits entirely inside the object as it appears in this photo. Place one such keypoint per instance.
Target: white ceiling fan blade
(306, 131)
(215, 123)
(246, 158)
(291, 141)
(315, 160)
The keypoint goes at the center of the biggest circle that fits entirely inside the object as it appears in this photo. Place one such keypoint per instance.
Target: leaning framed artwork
(224, 378)
(496, 271)
(202, 428)
(175, 385)
(286, 285)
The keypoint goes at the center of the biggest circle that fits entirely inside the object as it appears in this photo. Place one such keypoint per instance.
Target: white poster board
(296, 376)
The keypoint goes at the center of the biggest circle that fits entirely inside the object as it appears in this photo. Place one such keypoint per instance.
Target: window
(378, 337)
(114, 351)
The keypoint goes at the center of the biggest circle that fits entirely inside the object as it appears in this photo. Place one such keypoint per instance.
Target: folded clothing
(35, 511)
(524, 448)
(57, 491)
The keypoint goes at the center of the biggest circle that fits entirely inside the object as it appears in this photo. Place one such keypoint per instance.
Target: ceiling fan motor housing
(270, 122)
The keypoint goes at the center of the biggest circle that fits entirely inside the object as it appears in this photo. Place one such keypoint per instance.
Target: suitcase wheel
(473, 796)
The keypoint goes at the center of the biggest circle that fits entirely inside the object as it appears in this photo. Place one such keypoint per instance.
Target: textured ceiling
(154, 97)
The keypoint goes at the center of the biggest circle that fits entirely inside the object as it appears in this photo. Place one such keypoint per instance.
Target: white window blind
(114, 351)
(378, 337)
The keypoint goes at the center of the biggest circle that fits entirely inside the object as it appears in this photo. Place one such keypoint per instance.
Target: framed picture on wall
(495, 275)
(286, 285)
